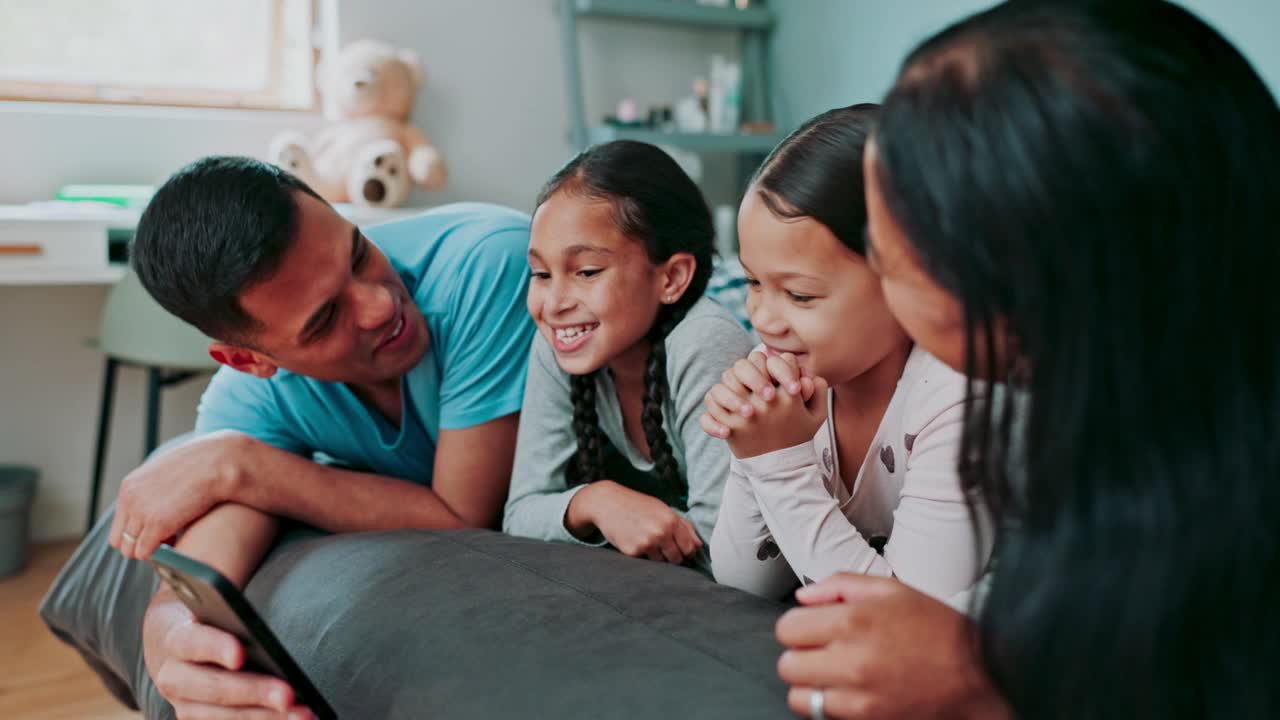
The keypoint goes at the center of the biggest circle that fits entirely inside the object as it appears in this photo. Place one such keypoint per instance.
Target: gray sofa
(461, 624)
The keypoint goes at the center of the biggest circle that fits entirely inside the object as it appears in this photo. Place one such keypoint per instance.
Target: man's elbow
(479, 519)
(478, 523)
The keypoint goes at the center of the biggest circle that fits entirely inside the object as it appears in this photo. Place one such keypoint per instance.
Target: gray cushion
(462, 624)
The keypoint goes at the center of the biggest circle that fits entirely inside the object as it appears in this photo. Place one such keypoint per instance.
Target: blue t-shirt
(466, 266)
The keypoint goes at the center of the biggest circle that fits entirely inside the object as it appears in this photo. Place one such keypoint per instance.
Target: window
(229, 53)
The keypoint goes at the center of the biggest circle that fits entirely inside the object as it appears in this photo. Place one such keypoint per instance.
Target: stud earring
(669, 299)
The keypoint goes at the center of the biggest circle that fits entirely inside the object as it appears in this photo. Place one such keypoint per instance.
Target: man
(402, 354)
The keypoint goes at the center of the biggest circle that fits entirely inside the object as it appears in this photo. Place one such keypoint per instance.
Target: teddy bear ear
(413, 63)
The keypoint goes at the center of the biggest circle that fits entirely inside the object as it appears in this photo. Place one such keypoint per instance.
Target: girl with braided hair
(845, 434)
(609, 450)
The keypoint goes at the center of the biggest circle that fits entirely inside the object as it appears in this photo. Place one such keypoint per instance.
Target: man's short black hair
(214, 229)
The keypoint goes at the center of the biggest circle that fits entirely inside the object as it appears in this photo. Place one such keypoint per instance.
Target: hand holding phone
(217, 602)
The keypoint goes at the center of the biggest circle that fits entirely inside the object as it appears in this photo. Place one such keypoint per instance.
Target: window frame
(268, 98)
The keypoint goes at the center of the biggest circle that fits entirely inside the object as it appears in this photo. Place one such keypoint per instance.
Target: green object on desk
(126, 196)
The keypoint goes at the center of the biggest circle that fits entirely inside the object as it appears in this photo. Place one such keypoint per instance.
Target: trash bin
(17, 490)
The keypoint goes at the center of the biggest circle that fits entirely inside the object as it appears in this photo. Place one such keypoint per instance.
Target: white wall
(50, 387)
(830, 53)
(494, 102)
(833, 53)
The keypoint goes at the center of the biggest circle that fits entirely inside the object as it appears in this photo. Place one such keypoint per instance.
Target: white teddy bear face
(368, 153)
(368, 79)
(380, 176)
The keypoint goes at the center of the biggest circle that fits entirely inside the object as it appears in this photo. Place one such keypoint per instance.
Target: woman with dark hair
(609, 449)
(849, 464)
(1077, 201)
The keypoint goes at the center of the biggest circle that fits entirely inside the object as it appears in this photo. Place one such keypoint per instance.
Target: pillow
(461, 624)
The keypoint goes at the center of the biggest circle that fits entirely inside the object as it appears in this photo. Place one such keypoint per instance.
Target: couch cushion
(462, 624)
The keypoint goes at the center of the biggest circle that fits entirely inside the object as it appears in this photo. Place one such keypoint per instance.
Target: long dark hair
(1102, 177)
(654, 203)
(816, 172)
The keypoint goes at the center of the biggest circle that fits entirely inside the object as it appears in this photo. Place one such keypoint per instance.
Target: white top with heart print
(787, 516)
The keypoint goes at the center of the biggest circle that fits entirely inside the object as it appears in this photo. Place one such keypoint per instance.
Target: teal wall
(829, 53)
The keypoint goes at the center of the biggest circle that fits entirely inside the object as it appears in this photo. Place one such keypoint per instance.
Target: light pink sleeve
(815, 537)
(744, 554)
(932, 544)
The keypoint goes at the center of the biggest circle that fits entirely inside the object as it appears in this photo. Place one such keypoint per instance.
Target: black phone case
(215, 601)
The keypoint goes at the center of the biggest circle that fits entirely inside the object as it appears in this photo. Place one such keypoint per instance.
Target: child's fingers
(787, 373)
(759, 406)
(806, 388)
(728, 400)
(730, 380)
(720, 402)
(687, 538)
(727, 418)
(754, 378)
(713, 428)
(761, 361)
(671, 550)
(793, 361)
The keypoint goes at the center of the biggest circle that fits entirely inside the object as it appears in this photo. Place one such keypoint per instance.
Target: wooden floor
(40, 677)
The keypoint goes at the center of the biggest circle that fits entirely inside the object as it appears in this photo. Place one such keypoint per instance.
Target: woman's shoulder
(933, 391)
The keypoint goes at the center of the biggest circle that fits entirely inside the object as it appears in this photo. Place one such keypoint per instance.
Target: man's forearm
(231, 539)
(334, 499)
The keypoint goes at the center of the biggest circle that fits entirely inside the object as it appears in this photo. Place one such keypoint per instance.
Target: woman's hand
(875, 648)
(636, 524)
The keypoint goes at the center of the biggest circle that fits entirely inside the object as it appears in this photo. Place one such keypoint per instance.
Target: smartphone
(216, 602)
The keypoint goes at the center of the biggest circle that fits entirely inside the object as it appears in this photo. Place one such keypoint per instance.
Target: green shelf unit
(695, 142)
(677, 12)
(754, 24)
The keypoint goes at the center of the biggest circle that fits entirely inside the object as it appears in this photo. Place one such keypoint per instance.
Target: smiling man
(400, 353)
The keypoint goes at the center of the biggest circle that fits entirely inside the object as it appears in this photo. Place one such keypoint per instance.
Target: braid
(655, 397)
(589, 458)
(656, 204)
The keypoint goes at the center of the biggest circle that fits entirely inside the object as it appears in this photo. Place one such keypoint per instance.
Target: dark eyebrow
(575, 250)
(782, 276)
(309, 328)
(580, 249)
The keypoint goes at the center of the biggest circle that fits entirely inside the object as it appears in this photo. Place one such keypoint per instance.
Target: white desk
(69, 244)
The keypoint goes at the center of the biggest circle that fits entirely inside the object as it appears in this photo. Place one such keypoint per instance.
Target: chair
(135, 331)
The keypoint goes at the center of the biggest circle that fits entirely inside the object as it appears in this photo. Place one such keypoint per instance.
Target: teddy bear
(370, 154)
